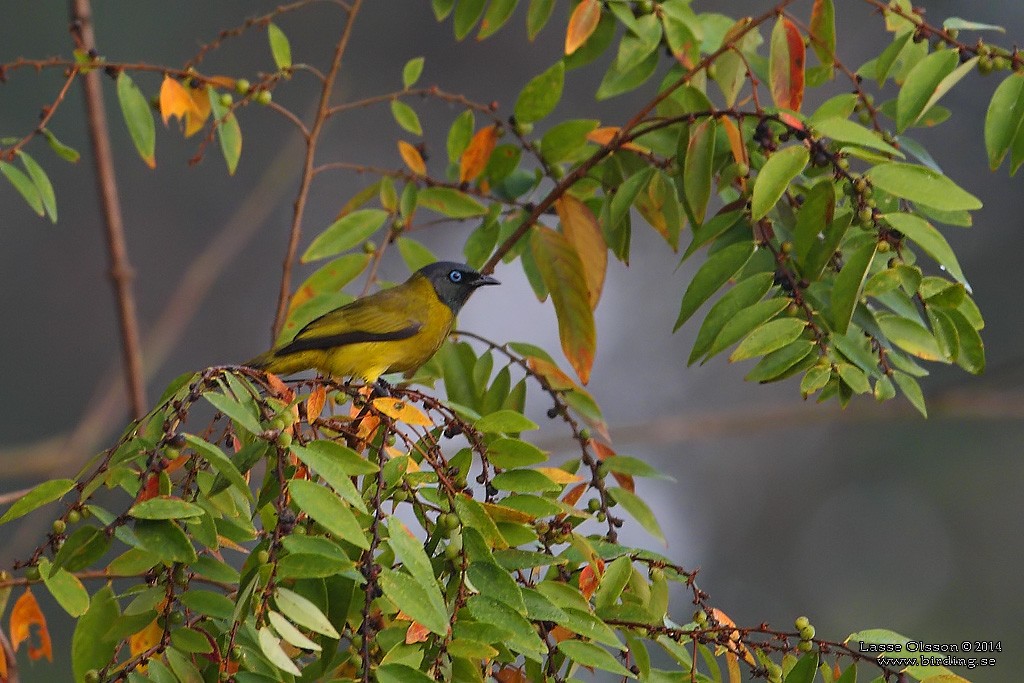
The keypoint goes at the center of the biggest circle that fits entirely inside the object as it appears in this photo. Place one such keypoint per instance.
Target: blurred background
(868, 517)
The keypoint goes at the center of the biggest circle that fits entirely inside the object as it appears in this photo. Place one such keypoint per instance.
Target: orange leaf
(603, 136)
(416, 633)
(739, 150)
(146, 638)
(734, 645)
(509, 674)
(786, 65)
(412, 158)
(559, 476)
(402, 411)
(590, 579)
(279, 388)
(560, 633)
(196, 117)
(176, 464)
(24, 615)
(563, 274)
(478, 153)
(367, 426)
(315, 403)
(580, 227)
(582, 24)
(175, 100)
(604, 452)
(550, 373)
(3, 666)
(574, 494)
(150, 490)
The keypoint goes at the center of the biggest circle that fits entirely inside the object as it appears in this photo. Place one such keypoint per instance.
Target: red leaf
(563, 274)
(786, 65)
(24, 615)
(151, 489)
(589, 579)
(582, 24)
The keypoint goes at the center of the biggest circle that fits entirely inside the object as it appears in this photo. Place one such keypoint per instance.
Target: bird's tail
(264, 361)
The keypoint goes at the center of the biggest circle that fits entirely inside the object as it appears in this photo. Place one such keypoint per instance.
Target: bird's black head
(454, 282)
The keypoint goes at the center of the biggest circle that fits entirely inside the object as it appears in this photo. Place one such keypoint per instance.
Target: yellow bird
(394, 330)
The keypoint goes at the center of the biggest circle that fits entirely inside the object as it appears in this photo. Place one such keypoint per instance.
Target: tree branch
(121, 272)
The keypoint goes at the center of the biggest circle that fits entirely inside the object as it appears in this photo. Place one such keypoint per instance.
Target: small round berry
(59, 526)
(802, 623)
(74, 517)
(242, 86)
(32, 573)
(805, 646)
(593, 504)
(807, 632)
(585, 434)
(369, 247)
(263, 557)
(263, 97)
(91, 676)
(226, 100)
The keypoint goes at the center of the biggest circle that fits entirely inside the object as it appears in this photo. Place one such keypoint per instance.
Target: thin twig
(319, 120)
(121, 272)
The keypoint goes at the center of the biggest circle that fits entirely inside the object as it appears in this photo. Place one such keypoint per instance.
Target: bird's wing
(383, 316)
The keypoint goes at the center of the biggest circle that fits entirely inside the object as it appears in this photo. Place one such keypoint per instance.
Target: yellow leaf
(145, 639)
(225, 82)
(412, 158)
(315, 403)
(584, 234)
(563, 275)
(739, 150)
(603, 136)
(559, 476)
(24, 615)
(402, 411)
(174, 100)
(195, 118)
(582, 24)
(478, 153)
(500, 513)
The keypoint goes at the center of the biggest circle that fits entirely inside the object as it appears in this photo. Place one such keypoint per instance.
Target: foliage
(311, 530)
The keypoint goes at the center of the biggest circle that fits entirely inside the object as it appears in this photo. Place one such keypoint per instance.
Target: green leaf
(271, 648)
(844, 130)
(165, 507)
(302, 611)
(698, 167)
(60, 149)
(625, 464)
(24, 185)
(333, 471)
(42, 183)
(822, 29)
(924, 234)
(613, 581)
(396, 672)
(279, 47)
(537, 16)
(459, 135)
(139, 118)
(783, 362)
(406, 117)
(541, 95)
(498, 12)
(91, 646)
(411, 72)
(44, 493)
(804, 670)
(774, 178)
(206, 602)
(617, 81)
(741, 295)
(467, 14)
(524, 481)
(744, 321)
(715, 272)
(769, 337)
(329, 510)
(288, 632)
(442, 8)
(921, 83)
(345, 233)
(408, 595)
(522, 635)
(910, 336)
(959, 24)
(920, 184)
(972, 350)
(215, 456)
(165, 539)
(409, 552)
(414, 254)
(817, 211)
(590, 655)
(509, 453)
(1003, 119)
(83, 547)
(638, 509)
(450, 202)
(505, 422)
(495, 582)
(66, 589)
(849, 284)
(228, 131)
(236, 410)
(567, 141)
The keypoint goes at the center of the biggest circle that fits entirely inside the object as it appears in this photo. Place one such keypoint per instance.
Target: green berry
(236, 652)
(883, 247)
(742, 169)
(74, 517)
(176, 618)
(585, 434)
(700, 617)
(864, 216)
(802, 623)
(226, 100)
(263, 97)
(594, 505)
(263, 557)
(284, 439)
(242, 86)
(58, 526)
(92, 676)
(32, 573)
(524, 129)
(807, 632)
(805, 646)
(369, 247)
(557, 172)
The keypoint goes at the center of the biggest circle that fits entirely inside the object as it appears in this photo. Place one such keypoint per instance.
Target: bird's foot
(381, 389)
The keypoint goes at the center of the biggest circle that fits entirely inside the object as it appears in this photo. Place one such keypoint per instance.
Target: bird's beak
(485, 280)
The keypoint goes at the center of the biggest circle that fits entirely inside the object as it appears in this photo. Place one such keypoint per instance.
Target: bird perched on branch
(394, 330)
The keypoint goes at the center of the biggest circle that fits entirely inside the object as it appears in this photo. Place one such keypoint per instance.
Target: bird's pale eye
(455, 276)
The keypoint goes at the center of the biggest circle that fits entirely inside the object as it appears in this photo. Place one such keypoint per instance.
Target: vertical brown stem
(121, 273)
(323, 112)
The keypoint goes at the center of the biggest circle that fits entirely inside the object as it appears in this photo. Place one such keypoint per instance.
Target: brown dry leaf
(315, 403)
(412, 158)
(175, 100)
(24, 615)
(582, 24)
(402, 411)
(510, 674)
(478, 153)
(581, 229)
